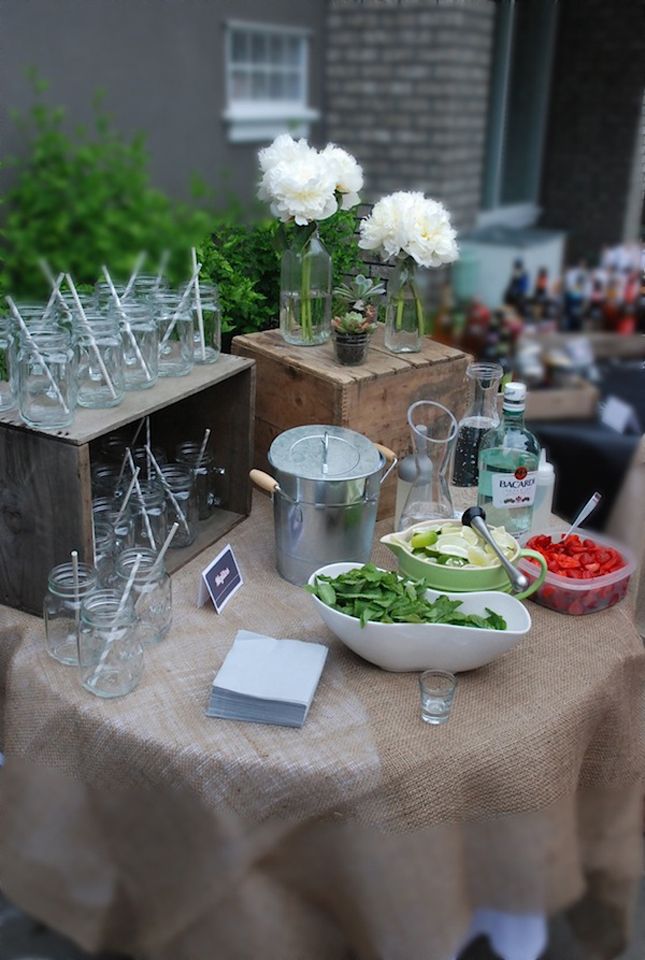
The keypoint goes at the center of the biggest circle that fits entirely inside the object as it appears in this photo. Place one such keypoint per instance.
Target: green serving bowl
(466, 579)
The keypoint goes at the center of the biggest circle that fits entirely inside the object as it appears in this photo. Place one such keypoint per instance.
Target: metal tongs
(475, 517)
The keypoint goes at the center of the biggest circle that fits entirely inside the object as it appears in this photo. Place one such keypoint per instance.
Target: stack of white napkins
(263, 680)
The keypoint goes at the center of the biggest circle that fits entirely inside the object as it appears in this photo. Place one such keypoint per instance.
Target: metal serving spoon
(475, 517)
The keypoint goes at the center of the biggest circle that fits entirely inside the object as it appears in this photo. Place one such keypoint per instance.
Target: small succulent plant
(353, 322)
(359, 292)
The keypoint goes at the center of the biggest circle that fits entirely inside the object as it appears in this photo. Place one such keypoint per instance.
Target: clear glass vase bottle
(305, 293)
(433, 429)
(404, 316)
(482, 415)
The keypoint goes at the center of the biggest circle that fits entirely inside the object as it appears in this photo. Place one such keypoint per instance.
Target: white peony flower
(283, 149)
(349, 174)
(300, 187)
(409, 224)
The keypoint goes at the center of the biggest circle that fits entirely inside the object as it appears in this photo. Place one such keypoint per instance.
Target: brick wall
(596, 98)
(407, 93)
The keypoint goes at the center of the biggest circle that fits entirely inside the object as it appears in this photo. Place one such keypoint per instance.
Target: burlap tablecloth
(142, 826)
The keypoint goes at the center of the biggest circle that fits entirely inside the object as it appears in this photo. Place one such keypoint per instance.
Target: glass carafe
(433, 429)
(482, 415)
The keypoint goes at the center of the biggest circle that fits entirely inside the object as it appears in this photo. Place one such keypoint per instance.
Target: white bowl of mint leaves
(401, 625)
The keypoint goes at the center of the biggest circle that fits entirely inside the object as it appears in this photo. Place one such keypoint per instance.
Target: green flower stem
(306, 321)
(419, 309)
(400, 307)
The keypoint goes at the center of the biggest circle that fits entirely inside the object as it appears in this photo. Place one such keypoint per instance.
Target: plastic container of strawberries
(576, 597)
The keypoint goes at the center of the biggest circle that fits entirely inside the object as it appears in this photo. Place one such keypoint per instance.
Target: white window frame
(518, 214)
(256, 121)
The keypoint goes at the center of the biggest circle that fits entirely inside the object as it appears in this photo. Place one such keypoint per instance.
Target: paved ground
(23, 939)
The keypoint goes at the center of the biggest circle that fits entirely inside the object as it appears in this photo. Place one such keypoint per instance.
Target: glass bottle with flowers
(355, 319)
(411, 231)
(303, 186)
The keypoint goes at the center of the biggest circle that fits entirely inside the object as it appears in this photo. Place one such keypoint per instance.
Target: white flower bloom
(283, 149)
(300, 188)
(407, 223)
(349, 174)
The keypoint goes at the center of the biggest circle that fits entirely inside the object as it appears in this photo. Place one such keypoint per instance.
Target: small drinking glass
(61, 609)
(151, 590)
(110, 654)
(175, 337)
(437, 692)
(212, 323)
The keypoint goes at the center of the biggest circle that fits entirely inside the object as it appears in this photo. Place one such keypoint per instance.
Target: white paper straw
(154, 569)
(127, 496)
(142, 503)
(180, 306)
(198, 304)
(126, 324)
(202, 449)
(148, 447)
(161, 269)
(55, 294)
(88, 330)
(119, 610)
(41, 360)
(77, 598)
(166, 486)
(135, 273)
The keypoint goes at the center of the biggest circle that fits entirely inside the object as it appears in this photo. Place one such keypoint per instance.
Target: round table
(141, 825)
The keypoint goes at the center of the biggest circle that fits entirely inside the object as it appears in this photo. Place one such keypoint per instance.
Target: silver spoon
(589, 506)
(475, 517)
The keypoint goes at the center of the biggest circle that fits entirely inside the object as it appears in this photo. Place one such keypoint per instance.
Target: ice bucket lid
(320, 452)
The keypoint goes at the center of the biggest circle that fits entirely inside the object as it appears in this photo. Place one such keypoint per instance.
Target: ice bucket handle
(389, 456)
(264, 481)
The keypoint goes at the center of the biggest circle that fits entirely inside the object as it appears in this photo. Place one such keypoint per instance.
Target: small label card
(220, 580)
(619, 416)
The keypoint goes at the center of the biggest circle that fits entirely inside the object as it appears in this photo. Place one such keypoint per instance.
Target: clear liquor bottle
(508, 463)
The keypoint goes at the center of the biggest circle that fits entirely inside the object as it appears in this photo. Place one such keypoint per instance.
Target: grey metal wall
(161, 63)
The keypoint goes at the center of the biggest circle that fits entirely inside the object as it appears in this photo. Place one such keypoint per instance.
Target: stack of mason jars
(68, 361)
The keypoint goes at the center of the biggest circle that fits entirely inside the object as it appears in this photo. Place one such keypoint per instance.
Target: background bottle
(543, 506)
(508, 462)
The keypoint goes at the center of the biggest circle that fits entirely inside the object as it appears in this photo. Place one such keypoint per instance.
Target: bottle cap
(515, 392)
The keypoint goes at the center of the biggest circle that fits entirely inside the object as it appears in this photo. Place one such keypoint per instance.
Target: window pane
(240, 85)
(259, 85)
(276, 86)
(259, 45)
(293, 86)
(276, 49)
(294, 45)
(239, 47)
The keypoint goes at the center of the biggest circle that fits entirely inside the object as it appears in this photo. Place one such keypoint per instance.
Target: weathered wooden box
(45, 479)
(299, 385)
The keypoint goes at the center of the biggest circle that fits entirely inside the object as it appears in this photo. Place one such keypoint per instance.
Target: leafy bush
(84, 201)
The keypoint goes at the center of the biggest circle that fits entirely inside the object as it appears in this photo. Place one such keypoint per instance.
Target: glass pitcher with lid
(482, 415)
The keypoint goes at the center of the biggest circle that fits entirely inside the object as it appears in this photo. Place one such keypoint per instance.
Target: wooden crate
(299, 385)
(570, 403)
(45, 488)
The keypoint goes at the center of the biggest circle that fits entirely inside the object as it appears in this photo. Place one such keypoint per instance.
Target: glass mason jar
(104, 550)
(154, 507)
(110, 654)
(105, 480)
(100, 363)
(176, 335)
(305, 293)
(140, 336)
(212, 321)
(107, 510)
(181, 503)
(113, 448)
(147, 287)
(61, 609)
(103, 296)
(152, 592)
(209, 479)
(7, 378)
(404, 315)
(46, 365)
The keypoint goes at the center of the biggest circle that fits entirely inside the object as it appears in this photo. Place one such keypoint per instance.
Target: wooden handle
(263, 481)
(389, 455)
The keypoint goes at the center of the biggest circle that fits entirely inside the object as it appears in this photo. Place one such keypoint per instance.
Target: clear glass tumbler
(209, 479)
(61, 609)
(176, 337)
(437, 688)
(46, 364)
(100, 374)
(212, 323)
(110, 654)
(7, 378)
(181, 502)
(151, 590)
